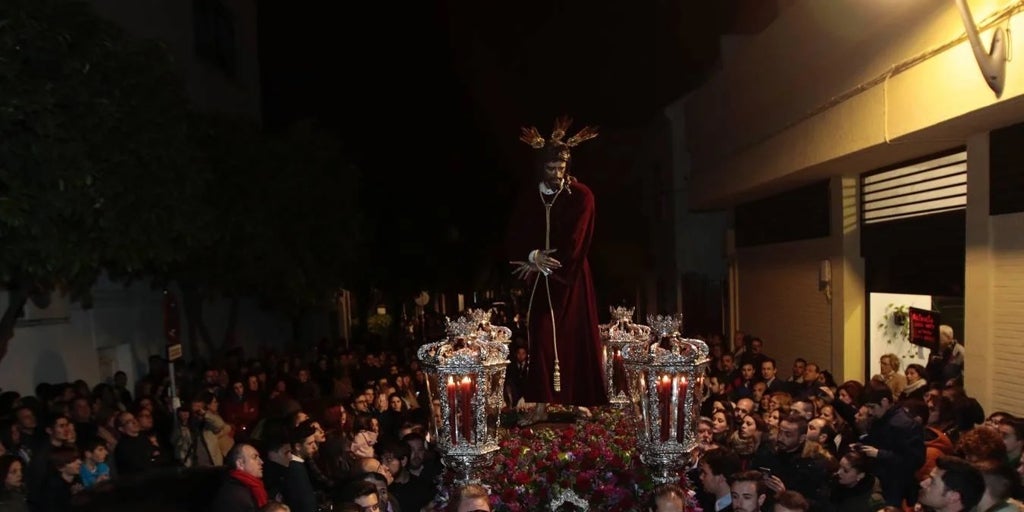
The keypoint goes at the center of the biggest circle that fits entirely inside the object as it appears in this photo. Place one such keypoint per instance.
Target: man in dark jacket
(897, 442)
(791, 470)
(60, 432)
(242, 490)
(298, 490)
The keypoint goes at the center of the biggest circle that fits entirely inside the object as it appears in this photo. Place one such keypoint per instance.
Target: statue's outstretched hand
(522, 269)
(545, 262)
(538, 261)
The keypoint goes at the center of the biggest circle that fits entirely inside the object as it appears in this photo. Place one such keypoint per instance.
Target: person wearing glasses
(361, 405)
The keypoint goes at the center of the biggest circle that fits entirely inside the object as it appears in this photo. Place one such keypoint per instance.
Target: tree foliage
(92, 140)
(104, 169)
(286, 229)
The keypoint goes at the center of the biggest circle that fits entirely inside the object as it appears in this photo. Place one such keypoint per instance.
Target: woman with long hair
(12, 488)
(404, 388)
(337, 425)
(722, 425)
(367, 431)
(751, 442)
(394, 417)
(850, 393)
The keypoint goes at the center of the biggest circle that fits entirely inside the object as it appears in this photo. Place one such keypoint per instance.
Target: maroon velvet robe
(572, 294)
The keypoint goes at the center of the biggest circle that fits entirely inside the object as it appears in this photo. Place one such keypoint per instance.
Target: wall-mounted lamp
(991, 62)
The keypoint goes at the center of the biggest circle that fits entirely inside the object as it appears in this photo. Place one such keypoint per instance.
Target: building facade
(861, 152)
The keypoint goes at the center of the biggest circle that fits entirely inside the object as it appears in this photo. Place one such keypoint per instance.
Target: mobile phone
(766, 472)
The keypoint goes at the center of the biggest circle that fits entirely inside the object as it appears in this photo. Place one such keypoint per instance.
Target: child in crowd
(94, 463)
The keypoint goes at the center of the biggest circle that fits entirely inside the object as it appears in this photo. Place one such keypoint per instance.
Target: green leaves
(80, 147)
(105, 168)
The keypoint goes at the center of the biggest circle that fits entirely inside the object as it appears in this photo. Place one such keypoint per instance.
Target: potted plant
(894, 323)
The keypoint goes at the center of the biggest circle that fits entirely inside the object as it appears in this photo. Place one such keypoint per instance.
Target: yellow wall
(848, 294)
(780, 301)
(812, 96)
(835, 89)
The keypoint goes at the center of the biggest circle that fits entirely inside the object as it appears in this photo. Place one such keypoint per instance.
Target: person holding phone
(896, 442)
(791, 469)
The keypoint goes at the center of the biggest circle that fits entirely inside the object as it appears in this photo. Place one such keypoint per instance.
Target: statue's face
(553, 173)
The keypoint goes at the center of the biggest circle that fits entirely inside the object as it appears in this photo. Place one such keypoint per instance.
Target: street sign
(174, 352)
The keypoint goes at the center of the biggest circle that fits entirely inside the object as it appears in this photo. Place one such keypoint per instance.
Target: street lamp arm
(991, 62)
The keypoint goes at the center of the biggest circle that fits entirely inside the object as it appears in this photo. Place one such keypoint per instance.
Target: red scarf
(254, 484)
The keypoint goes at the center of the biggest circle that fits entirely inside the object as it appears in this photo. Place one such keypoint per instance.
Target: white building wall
(123, 329)
(994, 298)
(1007, 323)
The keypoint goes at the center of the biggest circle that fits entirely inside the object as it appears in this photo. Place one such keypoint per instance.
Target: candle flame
(451, 381)
(665, 379)
(466, 380)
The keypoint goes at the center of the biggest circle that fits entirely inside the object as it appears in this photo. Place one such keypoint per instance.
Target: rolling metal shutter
(933, 186)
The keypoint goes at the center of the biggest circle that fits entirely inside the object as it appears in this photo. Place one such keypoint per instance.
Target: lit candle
(462, 303)
(467, 416)
(681, 412)
(452, 405)
(618, 373)
(664, 402)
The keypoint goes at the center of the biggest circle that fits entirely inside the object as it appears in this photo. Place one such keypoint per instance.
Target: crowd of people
(333, 431)
(337, 430)
(909, 438)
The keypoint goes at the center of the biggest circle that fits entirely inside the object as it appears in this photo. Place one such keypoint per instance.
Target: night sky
(429, 96)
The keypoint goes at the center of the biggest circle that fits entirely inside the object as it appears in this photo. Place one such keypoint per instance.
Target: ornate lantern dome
(466, 376)
(666, 376)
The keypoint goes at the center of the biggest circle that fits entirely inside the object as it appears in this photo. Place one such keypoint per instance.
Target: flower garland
(596, 459)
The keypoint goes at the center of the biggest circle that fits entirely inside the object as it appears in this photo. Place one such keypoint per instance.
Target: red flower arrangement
(596, 459)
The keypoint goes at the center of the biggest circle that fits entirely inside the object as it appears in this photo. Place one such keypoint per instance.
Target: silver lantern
(486, 331)
(666, 377)
(614, 336)
(466, 376)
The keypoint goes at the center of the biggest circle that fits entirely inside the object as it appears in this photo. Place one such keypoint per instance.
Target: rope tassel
(557, 379)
